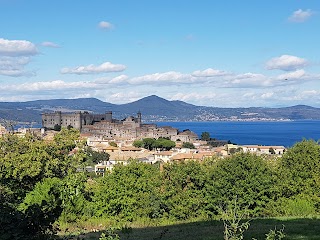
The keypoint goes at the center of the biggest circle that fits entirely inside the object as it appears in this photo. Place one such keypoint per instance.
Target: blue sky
(214, 53)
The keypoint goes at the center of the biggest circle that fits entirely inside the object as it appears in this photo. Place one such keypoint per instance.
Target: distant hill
(153, 108)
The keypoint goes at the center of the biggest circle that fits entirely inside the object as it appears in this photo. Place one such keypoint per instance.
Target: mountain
(153, 108)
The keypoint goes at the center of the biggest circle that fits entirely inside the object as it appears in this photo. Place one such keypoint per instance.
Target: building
(76, 120)
(103, 126)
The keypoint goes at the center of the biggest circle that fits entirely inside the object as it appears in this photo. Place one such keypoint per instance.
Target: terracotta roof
(164, 153)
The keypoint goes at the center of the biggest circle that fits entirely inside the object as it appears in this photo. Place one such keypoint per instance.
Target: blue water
(261, 133)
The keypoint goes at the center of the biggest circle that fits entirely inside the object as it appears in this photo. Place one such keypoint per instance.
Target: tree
(299, 179)
(184, 189)
(137, 143)
(188, 145)
(163, 144)
(130, 192)
(244, 175)
(57, 127)
(205, 136)
(95, 157)
(271, 151)
(148, 143)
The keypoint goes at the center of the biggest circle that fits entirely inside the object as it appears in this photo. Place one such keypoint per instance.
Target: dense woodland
(42, 190)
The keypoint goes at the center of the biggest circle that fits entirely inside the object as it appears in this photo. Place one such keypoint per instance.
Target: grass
(295, 229)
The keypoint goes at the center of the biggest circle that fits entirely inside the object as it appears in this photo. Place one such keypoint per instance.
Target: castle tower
(109, 116)
(139, 117)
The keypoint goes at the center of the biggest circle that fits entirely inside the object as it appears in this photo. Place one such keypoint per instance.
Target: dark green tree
(188, 145)
(137, 143)
(205, 136)
(148, 143)
(245, 176)
(57, 127)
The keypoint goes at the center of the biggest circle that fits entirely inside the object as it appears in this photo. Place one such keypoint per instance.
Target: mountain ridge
(154, 108)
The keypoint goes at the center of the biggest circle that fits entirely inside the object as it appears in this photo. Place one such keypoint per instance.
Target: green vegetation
(151, 143)
(41, 191)
(188, 145)
(205, 136)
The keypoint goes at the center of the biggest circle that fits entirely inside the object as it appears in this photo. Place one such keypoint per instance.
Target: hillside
(153, 108)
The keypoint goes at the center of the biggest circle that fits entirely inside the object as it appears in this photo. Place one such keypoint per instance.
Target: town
(118, 138)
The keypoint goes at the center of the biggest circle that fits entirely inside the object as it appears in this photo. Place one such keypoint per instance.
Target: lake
(284, 133)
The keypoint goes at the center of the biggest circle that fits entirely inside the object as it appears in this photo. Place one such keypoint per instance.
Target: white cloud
(286, 63)
(105, 25)
(209, 73)
(14, 66)
(248, 80)
(50, 44)
(116, 80)
(267, 95)
(45, 86)
(14, 56)
(171, 77)
(124, 97)
(300, 15)
(92, 69)
(298, 74)
(17, 48)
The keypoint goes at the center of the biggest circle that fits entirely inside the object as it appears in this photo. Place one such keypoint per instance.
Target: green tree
(244, 175)
(299, 179)
(148, 143)
(188, 145)
(57, 127)
(128, 192)
(205, 136)
(163, 144)
(95, 156)
(137, 143)
(184, 190)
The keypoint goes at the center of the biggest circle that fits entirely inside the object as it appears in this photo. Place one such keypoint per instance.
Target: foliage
(109, 234)
(95, 157)
(57, 127)
(243, 175)
(163, 144)
(205, 136)
(275, 234)
(129, 192)
(183, 190)
(137, 143)
(148, 143)
(151, 143)
(299, 173)
(233, 220)
(188, 145)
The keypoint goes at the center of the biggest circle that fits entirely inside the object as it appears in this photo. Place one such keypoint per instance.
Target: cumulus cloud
(248, 80)
(160, 78)
(300, 15)
(124, 97)
(209, 73)
(14, 66)
(92, 69)
(17, 48)
(286, 63)
(14, 56)
(105, 25)
(298, 74)
(50, 45)
(45, 86)
(116, 80)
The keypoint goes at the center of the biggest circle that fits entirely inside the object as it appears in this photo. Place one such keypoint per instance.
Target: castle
(104, 126)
